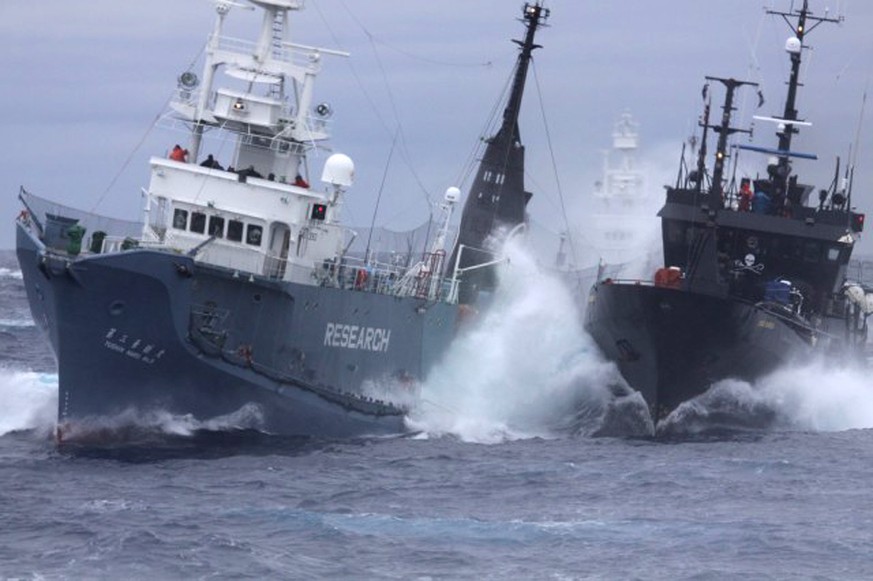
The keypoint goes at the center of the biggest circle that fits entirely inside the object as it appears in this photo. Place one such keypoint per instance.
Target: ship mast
(497, 198)
(724, 131)
(794, 46)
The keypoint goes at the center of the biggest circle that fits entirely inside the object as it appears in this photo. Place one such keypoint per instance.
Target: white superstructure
(253, 211)
(621, 223)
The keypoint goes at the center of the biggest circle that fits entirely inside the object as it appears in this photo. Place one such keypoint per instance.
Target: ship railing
(627, 281)
(347, 273)
(318, 128)
(287, 53)
(53, 220)
(776, 310)
(353, 273)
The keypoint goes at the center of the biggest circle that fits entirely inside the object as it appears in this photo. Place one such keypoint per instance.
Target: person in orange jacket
(179, 154)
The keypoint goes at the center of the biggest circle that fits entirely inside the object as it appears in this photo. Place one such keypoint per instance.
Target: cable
(554, 165)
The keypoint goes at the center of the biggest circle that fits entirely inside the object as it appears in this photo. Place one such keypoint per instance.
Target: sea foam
(522, 368)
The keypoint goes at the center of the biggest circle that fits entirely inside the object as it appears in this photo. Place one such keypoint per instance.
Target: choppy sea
(509, 475)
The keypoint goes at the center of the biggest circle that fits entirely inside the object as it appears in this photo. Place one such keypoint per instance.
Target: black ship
(754, 274)
(496, 203)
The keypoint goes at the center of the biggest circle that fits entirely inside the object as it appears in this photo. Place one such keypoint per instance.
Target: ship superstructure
(620, 226)
(754, 275)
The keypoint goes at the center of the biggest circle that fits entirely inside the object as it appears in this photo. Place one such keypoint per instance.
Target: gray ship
(236, 291)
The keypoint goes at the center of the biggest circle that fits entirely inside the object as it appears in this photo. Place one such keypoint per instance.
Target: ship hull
(142, 331)
(672, 345)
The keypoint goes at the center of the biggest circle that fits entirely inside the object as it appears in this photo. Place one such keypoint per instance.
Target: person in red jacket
(179, 154)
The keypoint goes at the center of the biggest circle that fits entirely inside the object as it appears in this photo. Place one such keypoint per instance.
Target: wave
(525, 368)
(817, 395)
(17, 323)
(10, 273)
(139, 427)
(30, 401)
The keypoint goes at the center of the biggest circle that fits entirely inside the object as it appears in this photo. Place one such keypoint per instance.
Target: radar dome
(453, 194)
(339, 170)
(792, 45)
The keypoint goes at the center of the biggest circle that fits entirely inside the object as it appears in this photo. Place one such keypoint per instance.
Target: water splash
(137, 426)
(524, 368)
(816, 395)
(17, 323)
(821, 395)
(30, 401)
(10, 273)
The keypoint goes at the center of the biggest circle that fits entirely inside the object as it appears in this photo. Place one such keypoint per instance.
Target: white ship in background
(622, 227)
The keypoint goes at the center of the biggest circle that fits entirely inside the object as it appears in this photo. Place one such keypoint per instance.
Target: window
(180, 219)
(198, 222)
(253, 235)
(216, 226)
(234, 230)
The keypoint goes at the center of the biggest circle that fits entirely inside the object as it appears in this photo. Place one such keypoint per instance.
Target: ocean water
(508, 475)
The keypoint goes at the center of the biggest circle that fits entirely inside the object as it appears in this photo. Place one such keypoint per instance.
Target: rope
(491, 120)
(140, 142)
(554, 164)
(408, 54)
(385, 126)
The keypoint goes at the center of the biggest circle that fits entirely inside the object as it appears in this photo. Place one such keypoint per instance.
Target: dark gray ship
(236, 291)
(496, 204)
(754, 274)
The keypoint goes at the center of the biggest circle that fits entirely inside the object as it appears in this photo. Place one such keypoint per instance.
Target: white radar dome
(339, 170)
(792, 45)
(453, 194)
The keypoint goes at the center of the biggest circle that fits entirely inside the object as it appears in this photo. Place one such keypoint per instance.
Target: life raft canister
(668, 277)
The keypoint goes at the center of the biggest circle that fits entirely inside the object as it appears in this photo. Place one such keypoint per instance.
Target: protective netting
(44, 211)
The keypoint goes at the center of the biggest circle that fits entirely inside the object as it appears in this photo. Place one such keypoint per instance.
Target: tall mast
(724, 131)
(794, 47)
(497, 198)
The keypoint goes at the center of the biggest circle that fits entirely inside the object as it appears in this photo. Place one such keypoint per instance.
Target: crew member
(211, 162)
(179, 154)
(746, 195)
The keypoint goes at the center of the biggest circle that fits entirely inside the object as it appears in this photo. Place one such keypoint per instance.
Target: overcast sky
(83, 82)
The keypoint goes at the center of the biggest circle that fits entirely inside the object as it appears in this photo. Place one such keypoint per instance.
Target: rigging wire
(379, 195)
(486, 132)
(404, 149)
(370, 101)
(142, 140)
(857, 146)
(408, 54)
(554, 163)
(130, 156)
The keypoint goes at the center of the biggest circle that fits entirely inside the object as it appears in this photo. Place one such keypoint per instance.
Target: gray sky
(83, 81)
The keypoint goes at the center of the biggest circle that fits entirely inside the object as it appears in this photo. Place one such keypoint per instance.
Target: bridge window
(180, 219)
(234, 230)
(198, 222)
(254, 234)
(216, 226)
